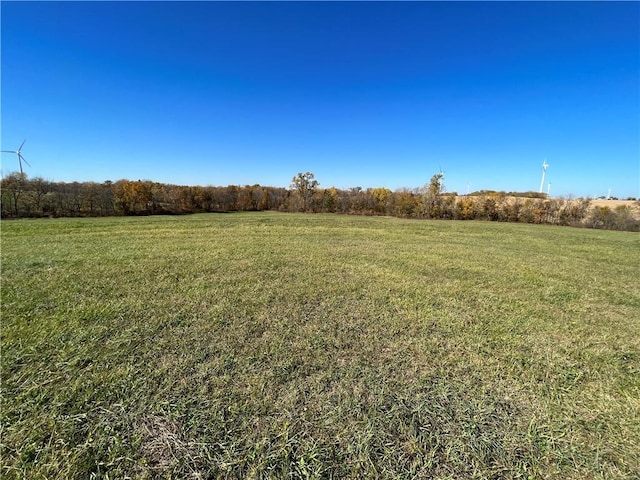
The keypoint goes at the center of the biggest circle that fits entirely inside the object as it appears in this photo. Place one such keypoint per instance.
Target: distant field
(599, 202)
(272, 345)
(633, 204)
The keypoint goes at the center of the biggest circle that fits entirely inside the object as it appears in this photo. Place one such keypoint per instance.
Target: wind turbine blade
(22, 144)
(8, 151)
(24, 160)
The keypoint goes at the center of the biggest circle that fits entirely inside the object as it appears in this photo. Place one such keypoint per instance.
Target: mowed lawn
(266, 345)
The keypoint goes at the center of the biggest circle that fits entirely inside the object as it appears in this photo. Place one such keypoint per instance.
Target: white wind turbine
(544, 171)
(20, 157)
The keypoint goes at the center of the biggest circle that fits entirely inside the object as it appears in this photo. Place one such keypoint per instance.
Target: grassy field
(315, 346)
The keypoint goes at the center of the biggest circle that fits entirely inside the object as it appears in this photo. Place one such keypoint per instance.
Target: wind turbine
(20, 157)
(544, 171)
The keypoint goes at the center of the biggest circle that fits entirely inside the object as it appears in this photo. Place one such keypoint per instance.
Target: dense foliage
(35, 197)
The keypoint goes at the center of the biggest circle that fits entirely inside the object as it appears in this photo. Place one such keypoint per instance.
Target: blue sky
(362, 94)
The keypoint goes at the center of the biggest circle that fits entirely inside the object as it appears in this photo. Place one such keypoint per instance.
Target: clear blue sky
(362, 94)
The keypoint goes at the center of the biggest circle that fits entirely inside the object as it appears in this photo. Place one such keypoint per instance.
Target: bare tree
(304, 184)
(432, 196)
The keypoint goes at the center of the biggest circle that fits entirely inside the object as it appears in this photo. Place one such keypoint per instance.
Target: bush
(619, 219)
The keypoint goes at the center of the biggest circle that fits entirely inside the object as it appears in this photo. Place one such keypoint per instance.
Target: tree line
(23, 197)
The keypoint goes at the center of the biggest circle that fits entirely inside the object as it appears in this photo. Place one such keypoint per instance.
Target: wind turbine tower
(544, 171)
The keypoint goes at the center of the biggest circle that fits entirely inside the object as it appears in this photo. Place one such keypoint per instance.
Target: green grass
(316, 346)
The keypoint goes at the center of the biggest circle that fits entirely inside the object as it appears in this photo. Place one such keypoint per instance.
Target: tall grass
(315, 346)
